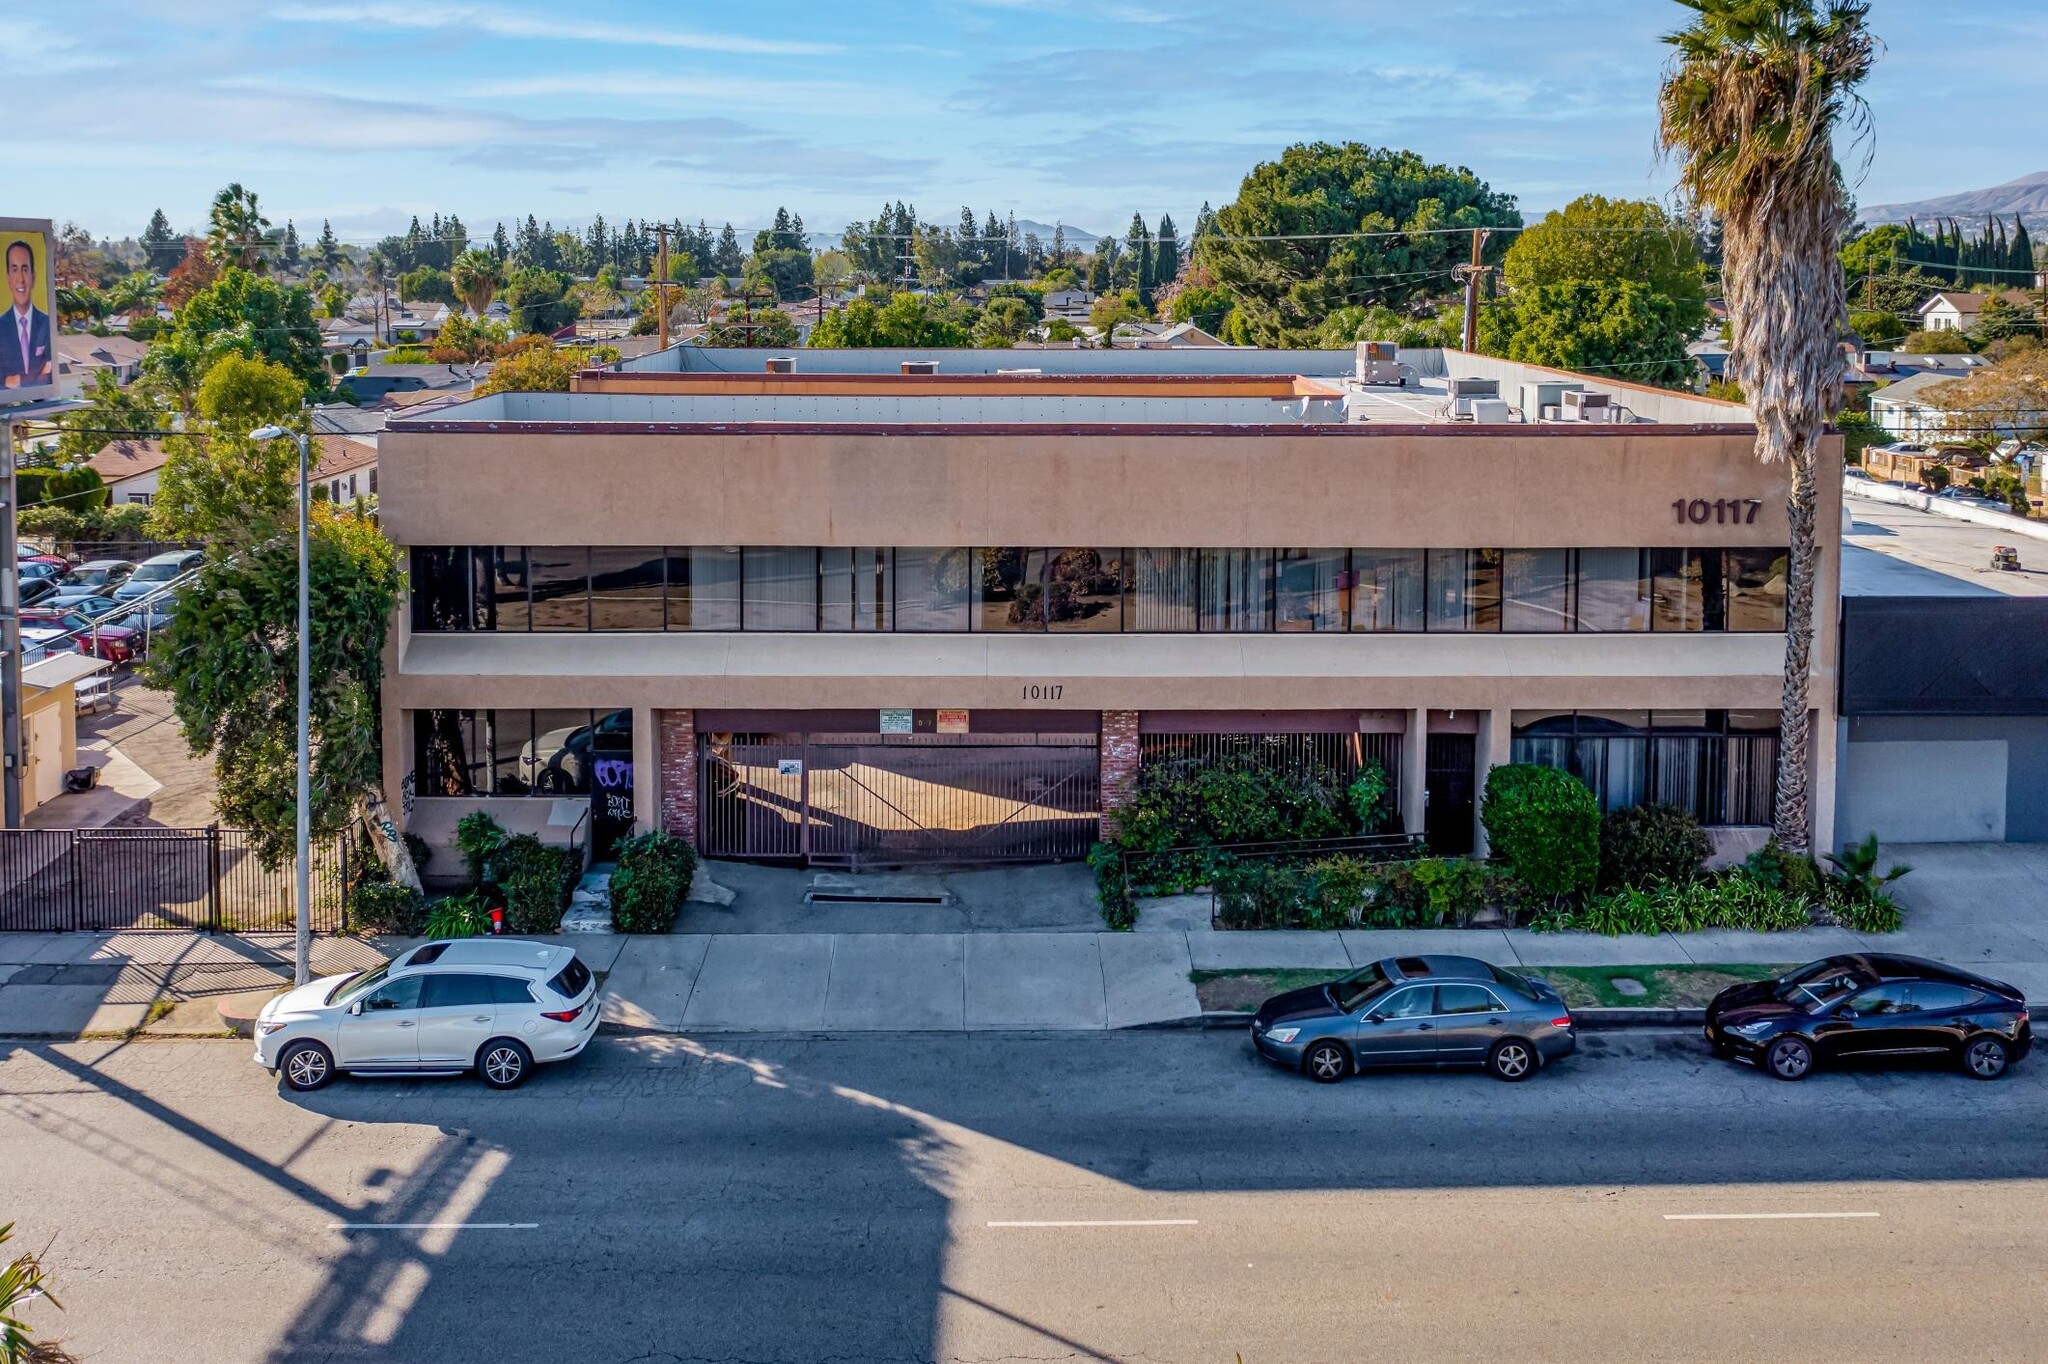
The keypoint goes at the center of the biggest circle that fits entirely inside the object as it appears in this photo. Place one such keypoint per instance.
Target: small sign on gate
(952, 722)
(896, 722)
(789, 767)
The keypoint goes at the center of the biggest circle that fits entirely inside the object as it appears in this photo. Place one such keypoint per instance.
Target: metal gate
(63, 880)
(873, 799)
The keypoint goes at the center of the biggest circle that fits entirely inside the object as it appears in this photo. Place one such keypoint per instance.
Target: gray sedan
(1417, 1011)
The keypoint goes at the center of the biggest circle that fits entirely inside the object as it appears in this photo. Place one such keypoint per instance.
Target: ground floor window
(516, 752)
(1718, 765)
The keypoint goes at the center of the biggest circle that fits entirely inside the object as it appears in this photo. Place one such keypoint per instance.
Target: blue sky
(369, 111)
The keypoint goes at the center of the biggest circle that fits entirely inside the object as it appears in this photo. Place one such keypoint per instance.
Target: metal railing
(205, 880)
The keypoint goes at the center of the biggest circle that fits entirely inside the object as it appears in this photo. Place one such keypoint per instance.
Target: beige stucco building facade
(755, 587)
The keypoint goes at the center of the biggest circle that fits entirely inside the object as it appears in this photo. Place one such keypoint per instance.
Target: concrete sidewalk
(1984, 907)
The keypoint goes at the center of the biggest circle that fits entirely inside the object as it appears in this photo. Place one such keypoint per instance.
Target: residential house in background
(1068, 305)
(130, 469)
(347, 470)
(82, 358)
(1951, 311)
(1904, 412)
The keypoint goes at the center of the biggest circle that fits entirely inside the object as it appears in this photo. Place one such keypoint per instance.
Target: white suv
(498, 1006)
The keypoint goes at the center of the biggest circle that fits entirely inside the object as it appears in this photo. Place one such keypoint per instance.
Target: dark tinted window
(428, 954)
(402, 993)
(570, 980)
(506, 990)
(450, 992)
(1879, 1000)
(1413, 1002)
(1933, 997)
(1465, 999)
(1361, 985)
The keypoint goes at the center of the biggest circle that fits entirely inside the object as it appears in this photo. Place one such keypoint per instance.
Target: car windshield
(1353, 990)
(154, 573)
(1820, 985)
(356, 986)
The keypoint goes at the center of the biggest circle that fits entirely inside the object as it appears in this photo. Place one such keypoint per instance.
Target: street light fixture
(302, 958)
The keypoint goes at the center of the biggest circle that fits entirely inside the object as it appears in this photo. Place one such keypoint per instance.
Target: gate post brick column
(1118, 756)
(678, 764)
(1415, 772)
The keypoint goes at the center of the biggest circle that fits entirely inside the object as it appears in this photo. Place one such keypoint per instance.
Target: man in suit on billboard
(25, 353)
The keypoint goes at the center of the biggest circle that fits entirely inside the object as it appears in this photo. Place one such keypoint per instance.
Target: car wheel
(306, 1066)
(503, 1063)
(1511, 1059)
(1326, 1062)
(1986, 1057)
(1790, 1058)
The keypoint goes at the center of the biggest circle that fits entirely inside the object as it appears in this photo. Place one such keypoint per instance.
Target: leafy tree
(333, 301)
(831, 271)
(1623, 330)
(1750, 108)
(246, 314)
(1616, 241)
(538, 300)
(906, 320)
(1347, 326)
(762, 327)
(784, 270)
(543, 368)
(1333, 205)
(2001, 319)
(464, 340)
(109, 406)
(2007, 398)
(1114, 310)
(235, 236)
(938, 256)
(134, 294)
(162, 248)
(229, 659)
(1060, 330)
(426, 285)
(476, 277)
(1003, 322)
(190, 275)
(1945, 341)
(1204, 305)
(218, 481)
(1879, 330)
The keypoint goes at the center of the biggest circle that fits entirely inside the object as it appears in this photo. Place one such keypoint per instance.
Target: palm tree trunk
(1792, 812)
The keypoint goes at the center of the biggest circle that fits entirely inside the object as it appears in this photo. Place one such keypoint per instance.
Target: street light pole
(302, 958)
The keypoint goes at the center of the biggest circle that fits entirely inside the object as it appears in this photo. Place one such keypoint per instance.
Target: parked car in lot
(38, 642)
(114, 643)
(1417, 1011)
(31, 590)
(102, 574)
(498, 1006)
(25, 555)
(152, 573)
(1871, 1007)
(40, 568)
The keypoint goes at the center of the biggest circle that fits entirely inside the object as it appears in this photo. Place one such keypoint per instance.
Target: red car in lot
(114, 643)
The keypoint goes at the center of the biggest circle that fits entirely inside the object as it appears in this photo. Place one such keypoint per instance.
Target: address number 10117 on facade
(1722, 511)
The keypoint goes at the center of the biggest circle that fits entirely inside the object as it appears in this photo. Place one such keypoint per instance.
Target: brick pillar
(678, 761)
(1118, 755)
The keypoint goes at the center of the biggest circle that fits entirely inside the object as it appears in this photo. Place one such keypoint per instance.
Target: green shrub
(1794, 873)
(1438, 892)
(1732, 900)
(536, 880)
(1262, 895)
(1337, 892)
(1545, 825)
(1856, 894)
(459, 916)
(477, 836)
(1367, 797)
(1646, 843)
(384, 906)
(649, 883)
(1112, 889)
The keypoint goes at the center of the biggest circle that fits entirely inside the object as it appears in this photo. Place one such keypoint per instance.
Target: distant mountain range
(2026, 196)
(1078, 239)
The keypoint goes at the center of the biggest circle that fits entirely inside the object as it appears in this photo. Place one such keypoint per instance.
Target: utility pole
(661, 284)
(1472, 274)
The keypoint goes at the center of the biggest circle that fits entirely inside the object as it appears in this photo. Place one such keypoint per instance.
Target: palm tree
(236, 234)
(478, 276)
(21, 1282)
(1750, 106)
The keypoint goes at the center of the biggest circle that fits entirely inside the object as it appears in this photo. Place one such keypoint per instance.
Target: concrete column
(646, 772)
(1495, 748)
(676, 766)
(1824, 778)
(1118, 757)
(1415, 771)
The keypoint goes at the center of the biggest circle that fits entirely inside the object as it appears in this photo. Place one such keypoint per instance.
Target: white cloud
(548, 28)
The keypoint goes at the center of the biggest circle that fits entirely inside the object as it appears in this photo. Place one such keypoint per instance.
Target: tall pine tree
(162, 247)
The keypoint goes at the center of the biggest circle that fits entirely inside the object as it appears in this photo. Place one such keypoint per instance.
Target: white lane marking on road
(1125, 1222)
(432, 1226)
(1761, 1216)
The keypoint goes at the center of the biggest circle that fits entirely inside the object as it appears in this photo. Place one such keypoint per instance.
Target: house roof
(340, 455)
(99, 352)
(1910, 390)
(125, 459)
(1969, 305)
(341, 419)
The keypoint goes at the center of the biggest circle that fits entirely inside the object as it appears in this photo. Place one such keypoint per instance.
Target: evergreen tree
(290, 253)
(162, 248)
(726, 257)
(1166, 252)
(327, 251)
(1138, 239)
(1205, 222)
(2021, 257)
(501, 245)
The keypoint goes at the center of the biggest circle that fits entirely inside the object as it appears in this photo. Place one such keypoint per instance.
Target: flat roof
(1893, 551)
(1010, 389)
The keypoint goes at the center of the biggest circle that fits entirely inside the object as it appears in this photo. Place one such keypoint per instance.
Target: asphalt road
(1129, 1196)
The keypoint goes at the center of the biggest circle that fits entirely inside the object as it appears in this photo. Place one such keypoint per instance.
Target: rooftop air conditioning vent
(1581, 406)
(780, 364)
(1379, 362)
(1491, 412)
(1464, 391)
(920, 367)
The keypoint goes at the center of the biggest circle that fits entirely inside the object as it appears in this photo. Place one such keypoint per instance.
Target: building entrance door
(878, 800)
(1448, 808)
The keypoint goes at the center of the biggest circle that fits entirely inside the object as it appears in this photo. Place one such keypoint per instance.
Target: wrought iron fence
(210, 880)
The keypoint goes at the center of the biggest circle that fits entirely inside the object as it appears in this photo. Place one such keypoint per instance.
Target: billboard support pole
(10, 639)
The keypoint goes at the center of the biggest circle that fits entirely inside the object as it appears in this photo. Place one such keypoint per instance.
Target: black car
(1871, 1006)
(1417, 1011)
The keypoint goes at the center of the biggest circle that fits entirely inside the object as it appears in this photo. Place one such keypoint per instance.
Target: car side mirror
(1375, 1018)
(356, 1008)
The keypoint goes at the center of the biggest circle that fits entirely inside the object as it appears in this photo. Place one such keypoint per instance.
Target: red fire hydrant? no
(498, 921)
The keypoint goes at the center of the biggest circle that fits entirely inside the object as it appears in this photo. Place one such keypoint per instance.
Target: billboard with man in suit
(28, 350)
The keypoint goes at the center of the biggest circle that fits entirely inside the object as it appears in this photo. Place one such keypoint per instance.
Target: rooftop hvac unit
(1581, 406)
(920, 367)
(1379, 362)
(1545, 393)
(780, 364)
(1463, 391)
(1491, 412)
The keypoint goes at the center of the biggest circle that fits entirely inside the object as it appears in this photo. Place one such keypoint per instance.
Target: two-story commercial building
(879, 606)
